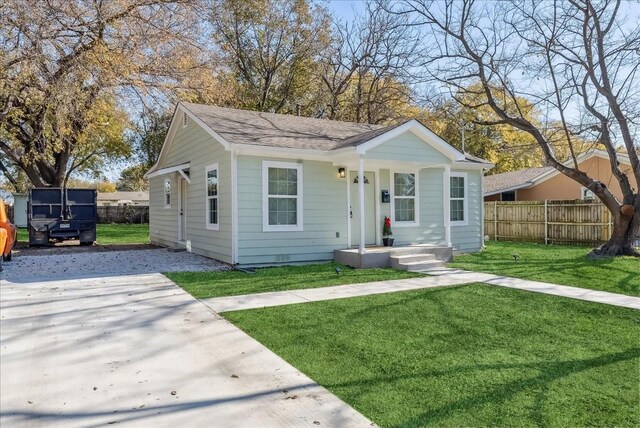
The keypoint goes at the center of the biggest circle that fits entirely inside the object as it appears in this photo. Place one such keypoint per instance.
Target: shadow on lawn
(549, 372)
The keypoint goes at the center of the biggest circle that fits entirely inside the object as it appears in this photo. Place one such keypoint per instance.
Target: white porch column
(361, 201)
(446, 199)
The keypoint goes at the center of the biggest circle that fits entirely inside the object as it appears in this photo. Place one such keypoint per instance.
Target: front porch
(409, 257)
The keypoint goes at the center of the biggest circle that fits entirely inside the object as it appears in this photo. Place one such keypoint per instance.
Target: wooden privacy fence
(574, 222)
(135, 214)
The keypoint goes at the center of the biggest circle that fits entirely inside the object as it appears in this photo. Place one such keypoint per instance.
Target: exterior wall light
(342, 173)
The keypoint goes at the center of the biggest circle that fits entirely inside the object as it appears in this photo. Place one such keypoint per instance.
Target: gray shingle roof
(288, 131)
(280, 130)
(514, 179)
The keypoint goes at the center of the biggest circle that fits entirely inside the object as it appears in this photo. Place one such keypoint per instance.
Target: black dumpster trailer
(60, 214)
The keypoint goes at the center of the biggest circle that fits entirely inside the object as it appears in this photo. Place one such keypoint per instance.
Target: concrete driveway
(136, 350)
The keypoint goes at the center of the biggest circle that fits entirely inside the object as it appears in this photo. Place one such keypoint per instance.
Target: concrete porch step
(417, 266)
(396, 261)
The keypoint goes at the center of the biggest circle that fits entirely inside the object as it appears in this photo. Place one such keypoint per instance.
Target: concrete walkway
(437, 278)
(139, 351)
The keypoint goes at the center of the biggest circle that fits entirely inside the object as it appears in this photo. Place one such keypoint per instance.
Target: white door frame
(351, 198)
(182, 210)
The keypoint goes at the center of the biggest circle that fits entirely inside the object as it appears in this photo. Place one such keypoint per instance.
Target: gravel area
(61, 266)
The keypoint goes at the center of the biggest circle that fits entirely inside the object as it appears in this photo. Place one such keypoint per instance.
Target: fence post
(495, 220)
(546, 224)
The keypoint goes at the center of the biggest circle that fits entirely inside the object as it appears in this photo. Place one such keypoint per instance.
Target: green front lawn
(202, 285)
(472, 355)
(109, 234)
(563, 265)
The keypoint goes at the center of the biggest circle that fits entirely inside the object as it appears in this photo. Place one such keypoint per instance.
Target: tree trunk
(626, 229)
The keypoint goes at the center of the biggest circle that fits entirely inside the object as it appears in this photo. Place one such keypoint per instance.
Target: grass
(472, 355)
(233, 283)
(563, 265)
(109, 234)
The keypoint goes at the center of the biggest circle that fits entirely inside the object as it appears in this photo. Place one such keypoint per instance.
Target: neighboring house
(123, 198)
(536, 184)
(253, 188)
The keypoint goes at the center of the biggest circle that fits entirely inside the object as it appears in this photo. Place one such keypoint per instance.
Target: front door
(182, 211)
(369, 209)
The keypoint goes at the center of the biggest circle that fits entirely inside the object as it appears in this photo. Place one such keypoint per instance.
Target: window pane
(213, 211)
(457, 187)
(457, 210)
(404, 184)
(405, 209)
(283, 211)
(212, 183)
(283, 181)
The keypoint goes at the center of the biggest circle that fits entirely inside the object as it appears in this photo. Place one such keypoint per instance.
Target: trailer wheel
(7, 258)
(86, 243)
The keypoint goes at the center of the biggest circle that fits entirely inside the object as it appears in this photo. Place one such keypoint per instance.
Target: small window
(404, 197)
(508, 196)
(458, 198)
(167, 193)
(586, 194)
(185, 120)
(212, 207)
(282, 196)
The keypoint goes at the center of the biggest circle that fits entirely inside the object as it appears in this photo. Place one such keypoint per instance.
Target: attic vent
(185, 119)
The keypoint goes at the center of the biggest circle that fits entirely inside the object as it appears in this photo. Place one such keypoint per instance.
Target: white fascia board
(419, 130)
(169, 170)
(173, 128)
(167, 142)
(214, 134)
(509, 189)
(471, 165)
(622, 158)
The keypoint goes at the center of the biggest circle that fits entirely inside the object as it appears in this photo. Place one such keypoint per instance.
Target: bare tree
(363, 71)
(64, 65)
(576, 61)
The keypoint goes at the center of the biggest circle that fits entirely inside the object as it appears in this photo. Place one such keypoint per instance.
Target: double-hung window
(458, 198)
(404, 198)
(281, 196)
(167, 193)
(212, 209)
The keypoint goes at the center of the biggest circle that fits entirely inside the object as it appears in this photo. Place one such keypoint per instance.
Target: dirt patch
(70, 247)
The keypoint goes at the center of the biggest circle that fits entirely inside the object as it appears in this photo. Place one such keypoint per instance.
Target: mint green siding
(468, 238)
(193, 144)
(431, 219)
(408, 147)
(324, 213)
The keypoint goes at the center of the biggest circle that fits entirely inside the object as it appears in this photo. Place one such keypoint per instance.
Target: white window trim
(583, 190)
(164, 193)
(394, 222)
(465, 200)
(211, 226)
(266, 227)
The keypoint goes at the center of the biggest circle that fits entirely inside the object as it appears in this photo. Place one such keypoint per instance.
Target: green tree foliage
(269, 48)
(64, 68)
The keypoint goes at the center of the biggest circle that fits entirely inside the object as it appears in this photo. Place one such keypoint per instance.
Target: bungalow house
(252, 188)
(536, 184)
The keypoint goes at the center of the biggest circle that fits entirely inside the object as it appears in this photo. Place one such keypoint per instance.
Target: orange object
(10, 233)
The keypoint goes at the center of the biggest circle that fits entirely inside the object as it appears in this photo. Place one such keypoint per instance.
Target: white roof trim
(509, 189)
(622, 158)
(421, 131)
(169, 170)
(173, 128)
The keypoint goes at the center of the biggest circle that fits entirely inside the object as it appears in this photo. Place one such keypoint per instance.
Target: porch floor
(377, 256)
